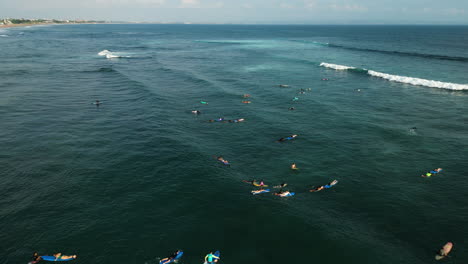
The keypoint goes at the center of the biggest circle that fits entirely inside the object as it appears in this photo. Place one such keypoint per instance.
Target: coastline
(25, 25)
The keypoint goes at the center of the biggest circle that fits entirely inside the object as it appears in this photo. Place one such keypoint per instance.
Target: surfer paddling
(444, 251)
(432, 172)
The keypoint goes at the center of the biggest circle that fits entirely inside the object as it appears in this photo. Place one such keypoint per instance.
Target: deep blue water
(136, 178)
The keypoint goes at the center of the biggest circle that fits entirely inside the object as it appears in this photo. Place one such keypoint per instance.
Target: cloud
(120, 3)
(189, 4)
(348, 7)
(455, 11)
(310, 4)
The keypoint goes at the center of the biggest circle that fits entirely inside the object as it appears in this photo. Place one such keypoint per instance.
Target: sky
(245, 12)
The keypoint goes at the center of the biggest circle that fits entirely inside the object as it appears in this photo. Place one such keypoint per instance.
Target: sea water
(136, 178)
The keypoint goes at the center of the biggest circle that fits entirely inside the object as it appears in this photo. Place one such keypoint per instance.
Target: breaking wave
(398, 78)
(112, 55)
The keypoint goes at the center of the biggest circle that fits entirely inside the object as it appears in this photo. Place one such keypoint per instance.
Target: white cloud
(348, 7)
(119, 3)
(455, 11)
(310, 4)
(189, 4)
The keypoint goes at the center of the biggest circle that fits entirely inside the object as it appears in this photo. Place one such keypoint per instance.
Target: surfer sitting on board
(294, 167)
(211, 258)
(173, 256)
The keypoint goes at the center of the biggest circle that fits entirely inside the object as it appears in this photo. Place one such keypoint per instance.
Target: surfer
(324, 79)
(261, 190)
(221, 159)
(282, 185)
(283, 85)
(211, 258)
(444, 251)
(286, 138)
(203, 102)
(236, 120)
(216, 120)
(246, 102)
(291, 108)
(326, 186)
(246, 95)
(97, 103)
(59, 256)
(196, 112)
(295, 99)
(35, 258)
(294, 167)
(282, 193)
(432, 172)
(171, 257)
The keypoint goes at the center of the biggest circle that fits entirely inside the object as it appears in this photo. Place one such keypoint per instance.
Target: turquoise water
(135, 179)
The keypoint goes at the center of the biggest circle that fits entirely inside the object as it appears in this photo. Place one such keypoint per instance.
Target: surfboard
(258, 185)
(263, 191)
(179, 255)
(444, 251)
(287, 195)
(52, 258)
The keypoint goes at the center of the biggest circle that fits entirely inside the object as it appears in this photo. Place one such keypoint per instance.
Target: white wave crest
(104, 53)
(111, 55)
(335, 66)
(4, 36)
(418, 81)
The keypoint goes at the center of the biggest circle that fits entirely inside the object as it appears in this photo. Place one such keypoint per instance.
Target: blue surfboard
(52, 258)
(290, 194)
(179, 255)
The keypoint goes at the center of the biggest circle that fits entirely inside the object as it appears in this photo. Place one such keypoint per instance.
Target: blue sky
(242, 11)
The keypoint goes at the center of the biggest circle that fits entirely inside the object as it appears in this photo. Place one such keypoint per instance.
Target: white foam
(111, 55)
(104, 53)
(418, 81)
(4, 36)
(336, 66)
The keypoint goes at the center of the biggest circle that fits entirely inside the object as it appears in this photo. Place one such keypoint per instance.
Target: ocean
(136, 178)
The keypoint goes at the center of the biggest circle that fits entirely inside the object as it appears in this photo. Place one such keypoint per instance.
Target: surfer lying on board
(258, 191)
(196, 112)
(282, 185)
(217, 120)
(236, 120)
(432, 172)
(35, 258)
(282, 193)
(326, 186)
(59, 256)
(168, 259)
(211, 258)
(221, 159)
(287, 138)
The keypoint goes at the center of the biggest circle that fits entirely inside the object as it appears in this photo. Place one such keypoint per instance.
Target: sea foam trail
(111, 55)
(398, 78)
